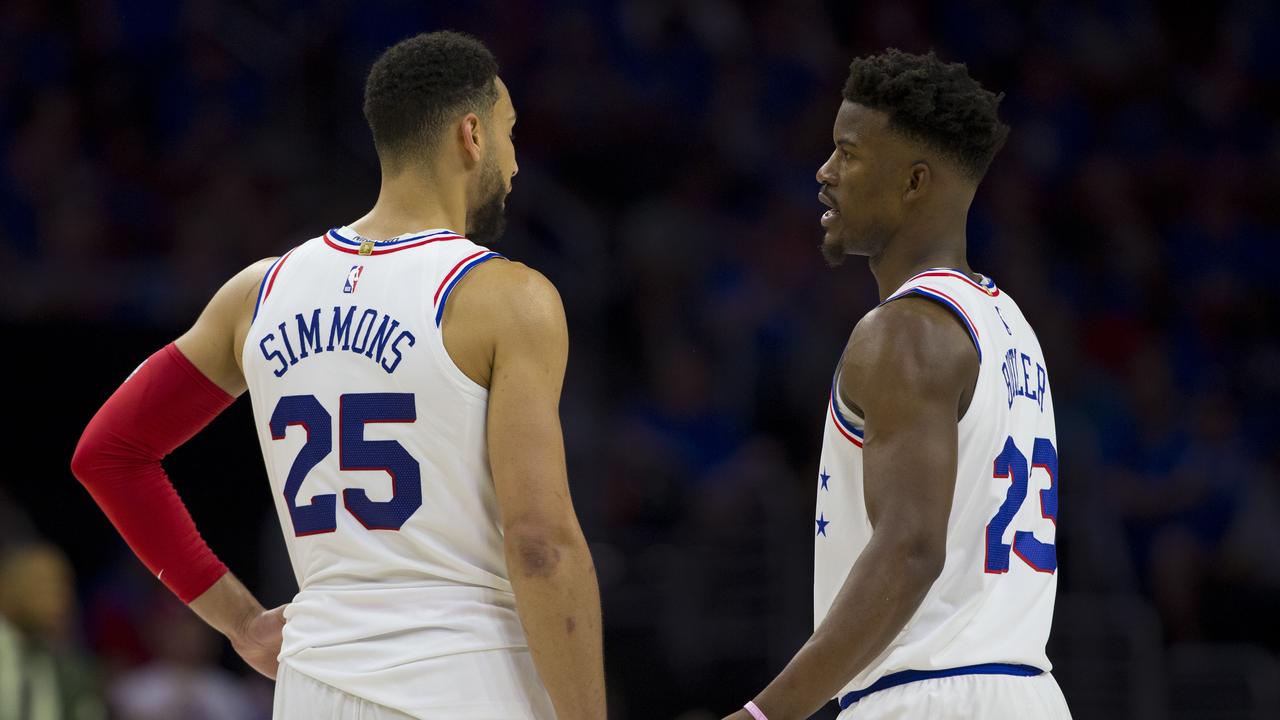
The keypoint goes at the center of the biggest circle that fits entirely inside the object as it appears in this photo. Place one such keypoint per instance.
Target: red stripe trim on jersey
(384, 251)
(449, 277)
(992, 291)
(848, 435)
(275, 274)
(336, 246)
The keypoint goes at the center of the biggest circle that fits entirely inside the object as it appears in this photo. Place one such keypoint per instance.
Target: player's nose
(826, 173)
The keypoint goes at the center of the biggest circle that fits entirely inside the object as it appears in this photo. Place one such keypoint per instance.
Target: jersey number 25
(355, 410)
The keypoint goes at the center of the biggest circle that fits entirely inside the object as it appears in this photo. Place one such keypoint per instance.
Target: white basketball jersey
(991, 608)
(374, 443)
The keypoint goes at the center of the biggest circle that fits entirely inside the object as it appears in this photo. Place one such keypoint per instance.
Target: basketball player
(934, 569)
(405, 384)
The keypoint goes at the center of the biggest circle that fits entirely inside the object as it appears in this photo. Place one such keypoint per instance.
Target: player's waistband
(910, 676)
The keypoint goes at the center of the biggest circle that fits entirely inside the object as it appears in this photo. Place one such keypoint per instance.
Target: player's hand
(258, 641)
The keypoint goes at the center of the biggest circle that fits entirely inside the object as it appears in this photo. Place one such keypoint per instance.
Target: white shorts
(299, 696)
(468, 686)
(962, 697)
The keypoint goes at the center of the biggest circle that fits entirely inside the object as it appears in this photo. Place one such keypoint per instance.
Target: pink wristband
(755, 711)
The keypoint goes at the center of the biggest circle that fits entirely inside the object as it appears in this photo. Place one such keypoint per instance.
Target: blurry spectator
(1179, 496)
(1245, 600)
(14, 525)
(42, 675)
(183, 679)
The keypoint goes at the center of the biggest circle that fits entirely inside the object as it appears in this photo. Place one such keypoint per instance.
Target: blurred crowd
(667, 149)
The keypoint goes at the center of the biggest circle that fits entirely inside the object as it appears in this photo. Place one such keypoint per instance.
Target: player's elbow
(87, 456)
(921, 555)
(539, 549)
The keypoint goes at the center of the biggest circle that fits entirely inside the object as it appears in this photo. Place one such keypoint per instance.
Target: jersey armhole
(840, 414)
(459, 271)
(269, 282)
(439, 299)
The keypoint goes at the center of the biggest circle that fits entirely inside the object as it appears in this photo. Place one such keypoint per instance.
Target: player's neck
(931, 236)
(902, 259)
(410, 202)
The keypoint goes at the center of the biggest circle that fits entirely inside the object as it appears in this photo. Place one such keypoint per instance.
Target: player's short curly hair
(421, 84)
(935, 103)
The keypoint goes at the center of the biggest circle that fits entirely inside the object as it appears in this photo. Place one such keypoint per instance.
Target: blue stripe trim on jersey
(839, 415)
(393, 241)
(910, 676)
(922, 292)
(444, 297)
(262, 287)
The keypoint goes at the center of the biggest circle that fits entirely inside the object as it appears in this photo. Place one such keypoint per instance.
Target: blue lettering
(1017, 378)
(284, 366)
(404, 335)
(293, 359)
(309, 333)
(1026, 377)
(1007, 369)
(376, 335)
(341, 327)
(371, 315)
(1042, 381)
(381, 338)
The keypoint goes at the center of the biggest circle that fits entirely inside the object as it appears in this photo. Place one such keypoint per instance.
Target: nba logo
(353, 277)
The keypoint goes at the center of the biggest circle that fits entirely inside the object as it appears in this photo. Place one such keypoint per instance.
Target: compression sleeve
(160, 406)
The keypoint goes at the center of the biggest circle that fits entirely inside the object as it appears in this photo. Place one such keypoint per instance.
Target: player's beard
(833, 252)
(487, 221)
(869, 243)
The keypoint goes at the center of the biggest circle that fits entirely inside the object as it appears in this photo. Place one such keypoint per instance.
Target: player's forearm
(558, 599)
(884, 588)
(163, 404)
(227, 606)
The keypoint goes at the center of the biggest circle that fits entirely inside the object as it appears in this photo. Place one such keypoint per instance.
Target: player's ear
(471, 136)
(919, 175)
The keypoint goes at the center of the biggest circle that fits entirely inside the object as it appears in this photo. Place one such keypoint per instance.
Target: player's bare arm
(506, 330)
(215, 342)
(212, 347)
(909, 369)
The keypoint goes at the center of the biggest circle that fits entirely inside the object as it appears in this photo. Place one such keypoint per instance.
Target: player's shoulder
(511, 286)
(508, 294)
(254, 272)
(241, 290)
(909, 321)
(512, 277)
(909, 336)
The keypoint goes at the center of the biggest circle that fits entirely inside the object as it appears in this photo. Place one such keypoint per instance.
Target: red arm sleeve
(160, 406)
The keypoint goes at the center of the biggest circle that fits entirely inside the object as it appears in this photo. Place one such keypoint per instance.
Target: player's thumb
(274, 618)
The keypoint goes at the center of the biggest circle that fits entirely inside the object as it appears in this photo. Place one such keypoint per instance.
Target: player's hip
(498, 684)
(373, 627)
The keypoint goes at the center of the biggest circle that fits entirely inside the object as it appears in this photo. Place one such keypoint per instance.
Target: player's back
(992, 604)
(374, 443)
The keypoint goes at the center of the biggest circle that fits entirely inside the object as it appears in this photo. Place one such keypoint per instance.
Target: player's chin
(833, 250)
